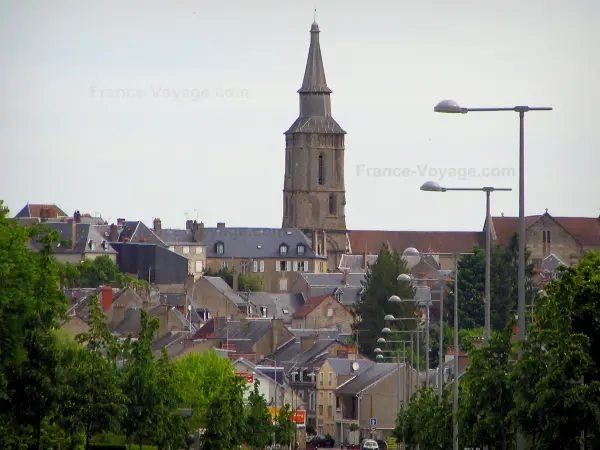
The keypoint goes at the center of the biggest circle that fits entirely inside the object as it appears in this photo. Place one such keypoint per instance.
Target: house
(40, 211)
(424, 241)
(281, 306)
(375, 393)
(346, 287)
(333, 373)
(77, 242)
(188, 242)
(213, 297)
(274, 254)
(323, 311)
(569, 238)
(247, 338)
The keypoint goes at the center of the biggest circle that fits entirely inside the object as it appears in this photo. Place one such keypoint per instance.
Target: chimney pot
(158, 227)
(220, 225)
(73, 232)
(188, 224)
(107, 297)
(114, 233)
(120, 221)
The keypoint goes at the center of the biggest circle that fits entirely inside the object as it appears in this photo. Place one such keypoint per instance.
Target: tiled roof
(365, 379)
(425, 241)
(356, 263)
(177, 237)
(328, 283)
(221, 285)
(131, 323)
(585, 229)
(313, 303)
(254, 331)
(256, 243)
(33, 210)
(343, 366)
(84, 233)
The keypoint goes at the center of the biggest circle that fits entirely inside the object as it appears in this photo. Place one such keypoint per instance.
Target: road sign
(298, 417)
(373, 421)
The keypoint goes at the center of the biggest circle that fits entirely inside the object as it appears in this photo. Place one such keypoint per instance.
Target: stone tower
(314, 196)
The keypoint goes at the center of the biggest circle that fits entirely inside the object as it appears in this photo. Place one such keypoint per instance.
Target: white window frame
(295, 266)
(277, 266)
(255, 266)
(199, 266)
(288, 266)
(220, 248)
(198, 250)
(283, 284)
(300, 249)
(262, 266)
(185, 250)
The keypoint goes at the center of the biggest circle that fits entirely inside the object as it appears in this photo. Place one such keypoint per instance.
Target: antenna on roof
(315, 15)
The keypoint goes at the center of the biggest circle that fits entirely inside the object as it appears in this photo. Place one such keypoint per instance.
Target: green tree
(285, 427)
(224, 272)
(380, 284)
(487, 397)
(251, 282)
(93, 273)
(259, 429)
(471, 290)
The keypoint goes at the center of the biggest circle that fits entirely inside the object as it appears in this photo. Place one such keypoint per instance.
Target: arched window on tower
(321, 177)
(332, 204)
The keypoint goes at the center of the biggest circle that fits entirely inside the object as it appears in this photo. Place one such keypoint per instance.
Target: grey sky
(65, 139)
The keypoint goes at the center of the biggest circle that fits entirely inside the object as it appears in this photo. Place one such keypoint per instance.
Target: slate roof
(84, 234)
(138, 232)
(585, 229)
(323, 333)
(551, 262)
(173, 236)
(131, 323)
(257, 243)
(288, 302)
(255, 330)
(367, 378)
(343, 366)
(291, 355)
(327, 283)
(426, 241)
(33, 210)
(311, 304)
(221, 285)
(356, 263)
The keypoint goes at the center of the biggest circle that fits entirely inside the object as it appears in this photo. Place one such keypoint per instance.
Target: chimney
(77, 217)
(157, 227)
(243, 324)
(220, 225)
(364, 260)
(277, 328)
(325, 243)
(73, 232)
(235, 281)
(107, 297)
(120, 221)
(188, 224)
(307, 342)
(199, 233)
(114, 233)
(345, 277)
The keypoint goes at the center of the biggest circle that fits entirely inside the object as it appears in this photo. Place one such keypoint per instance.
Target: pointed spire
(314, 75)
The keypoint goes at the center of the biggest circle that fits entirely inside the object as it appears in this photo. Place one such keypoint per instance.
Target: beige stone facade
(213, 295)
(323, 312)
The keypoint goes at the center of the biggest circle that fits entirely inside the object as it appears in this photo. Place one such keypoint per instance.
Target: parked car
(369, 444)
(321, 442)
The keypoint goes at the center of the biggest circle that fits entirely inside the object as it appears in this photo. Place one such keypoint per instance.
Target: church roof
(314, 75)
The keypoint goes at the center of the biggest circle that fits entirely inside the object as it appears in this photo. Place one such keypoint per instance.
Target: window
(300, 249)
(329, 380)
(546, 237)
(295, 267)
(321, 381)
(339, 294)
(283, 249)
(321, 401)
(186, 250)
(255, 266)
(172, 249)
(263, 311)
(288, 266)
(337, 403)
(331, 204)
(198, 250)
(225, 264)
(311, 401)
(262, 266)
(199, 266)
(219, 248)
(283, 266)
(321, 178)
(283, 284)
(244, 267)
(303, 266)
(330, 399)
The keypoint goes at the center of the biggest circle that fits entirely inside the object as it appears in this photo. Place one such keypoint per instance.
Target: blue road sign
(373, 421)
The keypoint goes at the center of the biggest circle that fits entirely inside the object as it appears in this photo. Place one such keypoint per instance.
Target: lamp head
(404, 278)
(450, 107)
(394, 299)
(411, 251)
(386, 330)
(432, 186)
(379, 357)
(380, 341)
(389, 317)
(377, 350)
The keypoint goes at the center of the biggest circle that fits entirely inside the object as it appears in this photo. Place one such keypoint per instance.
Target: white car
(369, 444)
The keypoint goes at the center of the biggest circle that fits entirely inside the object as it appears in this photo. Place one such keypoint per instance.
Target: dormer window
(339, 294)
(300, 249)
(219, 248)
(91, 244)
(283, 249)
(104, 245)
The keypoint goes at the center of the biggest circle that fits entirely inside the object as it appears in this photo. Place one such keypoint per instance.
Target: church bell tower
(314, 195)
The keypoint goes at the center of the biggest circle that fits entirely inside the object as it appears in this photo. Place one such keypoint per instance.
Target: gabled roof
(327, 283)
(551, 262)
(356, 263)
(343, 366)
(33, 210)
(313, 303)
(366, 379)
(178, 237)
(257, 243)
(221, 285)
(84, 234)
(426, 241)
(233, 330)
(138, 232)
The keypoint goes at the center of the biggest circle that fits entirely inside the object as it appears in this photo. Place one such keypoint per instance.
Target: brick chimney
(120, 221)
(199, 233)
(107, 297)
(220, 225)
(307, 342)
(189, 224)
(72, 232)
(77, 217)
(114, 233)
(277, 329)
(158, 227)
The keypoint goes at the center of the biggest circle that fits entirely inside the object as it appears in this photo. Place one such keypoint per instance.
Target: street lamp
(450, 106)
(391, 318)
(414, 252)
(434, 186)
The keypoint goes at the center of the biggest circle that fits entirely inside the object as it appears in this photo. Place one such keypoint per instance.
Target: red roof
(310, 305)
(371, 241)
(585, 229)
(33, 210)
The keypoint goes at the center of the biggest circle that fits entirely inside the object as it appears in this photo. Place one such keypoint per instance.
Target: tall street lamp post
(433, 186)
(455, 255)
(450, 106)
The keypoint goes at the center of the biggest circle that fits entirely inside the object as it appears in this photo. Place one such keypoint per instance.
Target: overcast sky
(144, 109)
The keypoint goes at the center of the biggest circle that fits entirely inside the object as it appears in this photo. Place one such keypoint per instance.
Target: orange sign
(298, 417)
(248, 376)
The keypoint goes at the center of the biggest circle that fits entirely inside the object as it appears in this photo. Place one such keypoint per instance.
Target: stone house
(323, 311)
(188, 242)
(276, 255)
(213, 297)
(345, 287)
